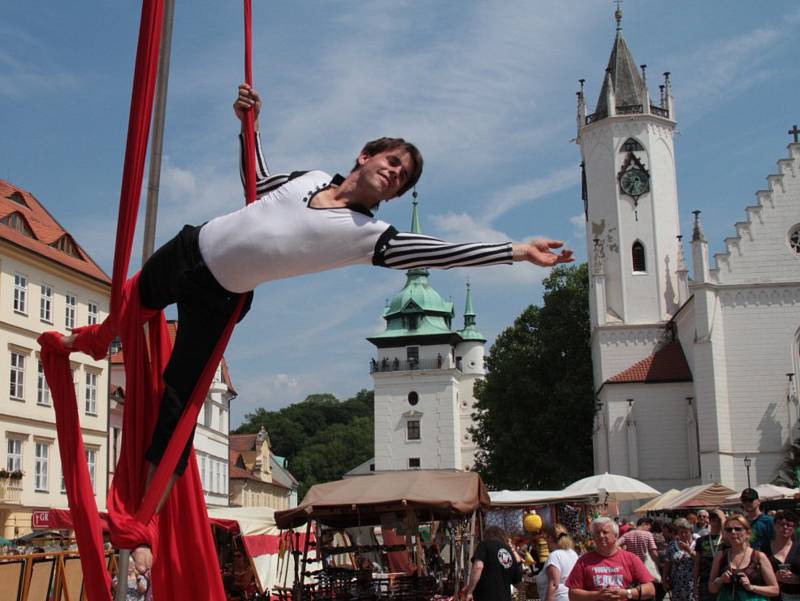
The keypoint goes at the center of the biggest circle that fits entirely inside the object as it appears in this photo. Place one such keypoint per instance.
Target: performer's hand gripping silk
(303, 222)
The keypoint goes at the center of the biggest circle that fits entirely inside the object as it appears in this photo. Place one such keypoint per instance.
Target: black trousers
(176, 273)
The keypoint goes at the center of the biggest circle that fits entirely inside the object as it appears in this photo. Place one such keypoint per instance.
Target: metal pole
(157, 139)
(153, 182)
(122, 575)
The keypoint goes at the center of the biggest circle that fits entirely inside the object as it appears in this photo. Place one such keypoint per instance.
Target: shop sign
(40, 519)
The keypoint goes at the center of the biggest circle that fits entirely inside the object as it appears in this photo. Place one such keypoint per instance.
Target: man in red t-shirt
(609, 573)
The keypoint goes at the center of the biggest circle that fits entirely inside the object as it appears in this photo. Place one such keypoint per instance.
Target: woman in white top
(556, 569)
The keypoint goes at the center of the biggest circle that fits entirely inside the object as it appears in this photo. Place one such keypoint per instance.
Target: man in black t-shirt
(496, 565)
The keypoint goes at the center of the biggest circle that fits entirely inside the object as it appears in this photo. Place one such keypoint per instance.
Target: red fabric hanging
(184, 557)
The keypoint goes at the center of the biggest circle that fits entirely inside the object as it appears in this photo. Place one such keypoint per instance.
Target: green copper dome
(418, 310)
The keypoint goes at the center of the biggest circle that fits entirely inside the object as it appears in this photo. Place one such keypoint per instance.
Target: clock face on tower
(635, 182)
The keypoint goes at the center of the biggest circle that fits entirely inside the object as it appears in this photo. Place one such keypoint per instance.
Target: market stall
(428, 525)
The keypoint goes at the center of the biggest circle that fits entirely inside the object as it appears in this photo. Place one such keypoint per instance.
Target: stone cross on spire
(794, 132)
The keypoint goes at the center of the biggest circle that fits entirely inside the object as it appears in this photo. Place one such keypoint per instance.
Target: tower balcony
(390, 365)
(631, 109)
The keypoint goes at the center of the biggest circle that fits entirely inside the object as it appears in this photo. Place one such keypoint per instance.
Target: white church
(693, 373)
(424, 372)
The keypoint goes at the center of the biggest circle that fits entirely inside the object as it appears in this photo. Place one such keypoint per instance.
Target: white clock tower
(638, 272)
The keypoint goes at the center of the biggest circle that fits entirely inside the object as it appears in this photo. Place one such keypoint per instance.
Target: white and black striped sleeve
(400, 250)
(264, 182)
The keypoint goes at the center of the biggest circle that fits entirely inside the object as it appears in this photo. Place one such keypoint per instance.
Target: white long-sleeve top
(280, 235)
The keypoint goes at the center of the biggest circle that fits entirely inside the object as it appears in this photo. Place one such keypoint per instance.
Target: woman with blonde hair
(556, 569)
(741, 573)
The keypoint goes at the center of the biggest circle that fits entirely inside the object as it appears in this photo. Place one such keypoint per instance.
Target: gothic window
(631, 145)
(637, 254)
(794, 239)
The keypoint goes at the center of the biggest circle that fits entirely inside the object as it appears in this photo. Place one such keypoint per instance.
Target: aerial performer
(302, 222)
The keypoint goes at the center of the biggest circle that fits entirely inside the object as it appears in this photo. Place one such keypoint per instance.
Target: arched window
(631, 145)
(637, 254)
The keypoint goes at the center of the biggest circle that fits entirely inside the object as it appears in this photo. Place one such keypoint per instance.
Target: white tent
(658, 503)
(612, 487)
(522, 498)
(262, 541)
(768, 492)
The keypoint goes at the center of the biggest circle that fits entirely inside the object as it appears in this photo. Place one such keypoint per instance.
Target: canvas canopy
(613, 487)
(702, 495)
(360, 501)
(658, 503)
(767, 492)
(522, 498)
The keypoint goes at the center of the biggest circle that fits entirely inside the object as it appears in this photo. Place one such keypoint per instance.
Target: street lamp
(747, 463)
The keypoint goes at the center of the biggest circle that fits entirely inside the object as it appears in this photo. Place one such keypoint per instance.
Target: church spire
(469, 310)
(415, 227)
(470, 332)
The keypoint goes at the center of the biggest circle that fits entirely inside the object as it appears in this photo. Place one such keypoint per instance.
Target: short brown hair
(495, 533)
(380, 145)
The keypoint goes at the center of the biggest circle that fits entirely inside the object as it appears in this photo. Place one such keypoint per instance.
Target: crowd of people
(710, 555)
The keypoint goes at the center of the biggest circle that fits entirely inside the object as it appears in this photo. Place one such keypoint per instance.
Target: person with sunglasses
(784, 555)
(741, 573)
(706, 548)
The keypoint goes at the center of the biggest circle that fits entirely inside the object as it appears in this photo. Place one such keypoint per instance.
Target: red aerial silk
(184, 557)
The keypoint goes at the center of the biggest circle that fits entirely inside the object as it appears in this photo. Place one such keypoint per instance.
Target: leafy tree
(321, 436)
(535, 409)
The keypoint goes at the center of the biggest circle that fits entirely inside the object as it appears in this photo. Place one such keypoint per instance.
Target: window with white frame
(91, 393)
(42, 389)
(41, 466)
(412, 429)
(17, 376)
(91, 462)
(69, 314)
(46, 304)
(92, 319)
(14, 455)
(207, 414)
(414, 463)
(203, 471)
(20, 293)
(224, 478)
(215, 467)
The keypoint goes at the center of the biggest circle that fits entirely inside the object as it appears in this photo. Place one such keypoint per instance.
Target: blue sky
(485, 89)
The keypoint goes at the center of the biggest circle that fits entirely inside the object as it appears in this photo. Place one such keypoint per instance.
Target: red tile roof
(45, 230)
(242, 442)
(172, 330)
(668, 364)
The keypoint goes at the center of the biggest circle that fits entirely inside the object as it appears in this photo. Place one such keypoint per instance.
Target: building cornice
(32, 421)
(57, 269)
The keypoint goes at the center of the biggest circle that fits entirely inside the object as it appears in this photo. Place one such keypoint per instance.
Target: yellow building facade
(47, 282)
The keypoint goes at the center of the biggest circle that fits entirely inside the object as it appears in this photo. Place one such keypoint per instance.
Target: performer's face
(386, 172)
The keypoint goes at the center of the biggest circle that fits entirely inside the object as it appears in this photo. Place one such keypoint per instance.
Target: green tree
(321, 436)
(535, 408)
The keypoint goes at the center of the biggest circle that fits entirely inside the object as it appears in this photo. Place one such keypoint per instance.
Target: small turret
(699, 250)
(682, 271)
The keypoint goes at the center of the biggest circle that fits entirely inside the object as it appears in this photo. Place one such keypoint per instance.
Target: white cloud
(529, 191)
(578, 226)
